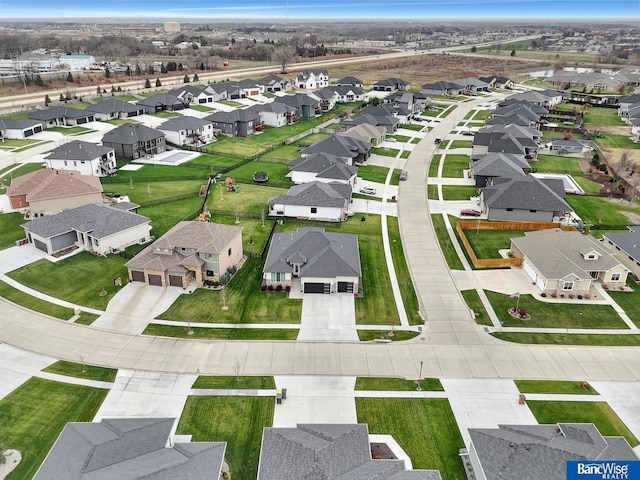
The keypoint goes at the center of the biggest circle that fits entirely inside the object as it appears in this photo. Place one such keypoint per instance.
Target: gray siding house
(133, 140)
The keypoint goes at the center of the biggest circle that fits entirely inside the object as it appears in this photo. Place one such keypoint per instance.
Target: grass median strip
(203, 333)
(235, 383)
(446, 246)
(78, 370)
(394, 336)
(554, 387)
(32, 303)
(632, 340)
(473, 301)
(397, 384)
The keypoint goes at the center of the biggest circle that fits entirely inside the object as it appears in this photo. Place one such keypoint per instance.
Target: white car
(368, 190)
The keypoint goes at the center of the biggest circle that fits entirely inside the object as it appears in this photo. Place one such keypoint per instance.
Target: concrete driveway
(505, 281)
(328, 318)
(16, 257)
(131, 309)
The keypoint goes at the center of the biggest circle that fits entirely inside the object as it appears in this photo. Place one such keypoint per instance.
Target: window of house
(277, 277)
(65, 163)
(210, 273)
(229, 252)
(509, 209)
(314, 210)
(615, 277)
(567, 286)
(533, 211)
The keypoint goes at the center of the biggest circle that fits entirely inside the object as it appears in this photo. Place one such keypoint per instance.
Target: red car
(468, 212)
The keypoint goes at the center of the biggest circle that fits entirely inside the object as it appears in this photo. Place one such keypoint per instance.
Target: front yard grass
(78, 279)
(32, 303)
(70, 130)
(247, 304)
(249, 198)
(554, 386)
(373, 173)
(403, 275)
(472, 299)
(167, 215)
(77, 370)
(454, 165)
(206, 333)
(275, 171)
(235, 383)
(555, 315)
(397, 384)
(33, 415)
(486, 243)
(598, 413)
(459, 192)
(141, 191)
(629, 301)
(433, 166)
(385, 152)
(393, 336)
(461, 144)
(601, 209)
(10, 229)
(21, 170)
(425, 428)
(239, 421)
(444, 240)
(557, 164)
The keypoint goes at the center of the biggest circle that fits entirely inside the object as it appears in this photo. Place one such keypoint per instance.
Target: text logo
(603, 470)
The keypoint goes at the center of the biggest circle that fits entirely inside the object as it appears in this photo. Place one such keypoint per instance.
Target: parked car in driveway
(368, 190)
(468, 133)
(469, 212)
(403, 175)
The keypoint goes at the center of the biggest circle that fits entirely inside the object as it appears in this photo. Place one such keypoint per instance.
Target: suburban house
(485, 168)
(83, 157)
(49, 191)
(163, 102)
(115, 109)
(443, 88)
(186, 130)
(61, 116)
(352, 150)
(628, 244)
(350, 81)
(366, 132)
(129, 448)
(507, 139)
(250, 87)
(524, 114)
(227, 91)
(625, 102)
(97, 227)
(189, 93)
(345, 93)
(560, 146)
(524, 199)
(496, 81)
(540, 451)
(236, 123)
(306, 106)
(376, 116)
(326, 98)
(274, 83)
(313, 201)
(133, 140)
(546, 98)
(324, 262)
(199, 251)
(328, 451)
(312, 79)
(391, 85)
(567, 262)
(322, 167)
(275, 114)
(19, 129)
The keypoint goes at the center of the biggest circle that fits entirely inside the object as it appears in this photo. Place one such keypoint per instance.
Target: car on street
(470, 212)
(368, 190)
(403, 175)
(391, 139)
(468, 133)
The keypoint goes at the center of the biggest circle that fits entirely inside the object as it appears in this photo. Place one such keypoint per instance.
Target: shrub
(278, 288)
(571, 296)
(263, 288)
(543, 294)
(579, 297)
(553, 295)
(562, 295)
(287, 288)
(270, 288)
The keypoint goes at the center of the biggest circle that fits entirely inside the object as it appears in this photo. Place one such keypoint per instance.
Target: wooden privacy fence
(461, 226)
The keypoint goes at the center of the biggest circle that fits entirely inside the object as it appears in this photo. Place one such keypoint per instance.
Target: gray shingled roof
(129, 449)
(327, 452)
(113, 105)
(556, 253)
(59, 111)
(19, 124)
(237, 115)
(297, 100)
(535, 452)
(526, 193)
(349, 80)
(340, 146)
(183, 122)
(324, 165)
(97, 219)
(322, 254)
(162, 99)
(315, 194)
(78, 150)
(130, 133)
(499, 165)
(629, 242)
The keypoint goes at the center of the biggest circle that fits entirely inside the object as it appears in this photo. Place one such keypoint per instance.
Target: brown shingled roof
(48, 183)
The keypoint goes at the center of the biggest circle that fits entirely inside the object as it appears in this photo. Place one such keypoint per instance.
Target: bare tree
(237, 368)
(283, 56)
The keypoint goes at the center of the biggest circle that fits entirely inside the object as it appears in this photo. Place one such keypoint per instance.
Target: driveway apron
(328, 318)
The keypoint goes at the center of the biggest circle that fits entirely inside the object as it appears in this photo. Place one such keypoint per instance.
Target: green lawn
(254, 235)
(283, 154)
(397, 384)
(32, 303)
(239, 421)
(400, 138)
(590, 187)
(555, 315)
(393, 336)
(458, 192)
(601, 209)
(425, 429)
(447, 111)
(33, 415)
(557, 164)
(86, 318)
(311, 139)
(158, 171)
(21, 170)
(10, 143)
(70, 130)
(598, 413)
(202, 108)
(165, 114)
(554, 386)
(486, 243)
(275, 171)
(454, 165)
(472, 299)
(373, 173)
(247, 304)
(446, 246)
(570, 339)
(250, 198)
(603, 116)
(616, 141)
(10, 229)
(77, 370)
(432, 192)
(78, 279)
(167, 215)
(203, 333)
(235, 383)
(214, 160)
(385, 152)
(433, 166)
(461, 144)
(403, 275)
(416, 127)
(629, 301)
(141, 192)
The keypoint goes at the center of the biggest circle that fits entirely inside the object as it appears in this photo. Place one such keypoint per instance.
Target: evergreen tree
(513, 53)
(158, 82)
(201, 65)
(186, 79)
(69, 77)
(119, 88)
(128, 72)
(195, 77)
(180, 67)
(47, 100)
(113, 89)
(138, 69)
(151, 70)
(163, 69)
(147, 83)
(474, 49)
(61, 98)
(107, 73)
(39, 81)
(98, 90)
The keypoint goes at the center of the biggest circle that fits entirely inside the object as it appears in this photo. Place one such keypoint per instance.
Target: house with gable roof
(352, 150)
(61, 116)
(314, 201)
(567, 262)
(391, 85)
(275, 114)
(186, 130)
(307, 106)
(350, 81)
(322, 167)
(324, 262)
(19, 128)
(163, 102)
(313, 79)
(274, 83)
(628, 244)
(497, 81)
(83, 157)
(485, 168)
(236, 123)
(134, 140)
(115, 109)
(199, 251)
(366, 132)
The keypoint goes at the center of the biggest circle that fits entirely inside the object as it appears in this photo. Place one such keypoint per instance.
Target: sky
(322, 9)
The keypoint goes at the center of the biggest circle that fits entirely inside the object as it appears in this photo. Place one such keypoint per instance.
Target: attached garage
(175, 280)
(137, 276)
(345, 287)
(528, 269)
(313, 287)
(155, 280)
(60, 242)
(40, 245)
